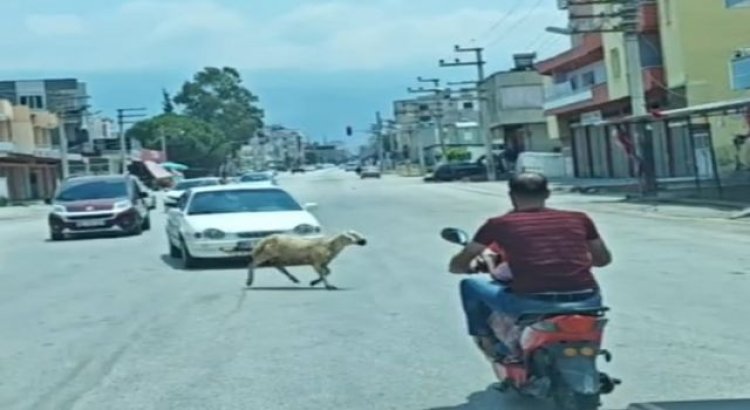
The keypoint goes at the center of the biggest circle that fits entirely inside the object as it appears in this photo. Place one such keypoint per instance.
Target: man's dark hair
(529, 185)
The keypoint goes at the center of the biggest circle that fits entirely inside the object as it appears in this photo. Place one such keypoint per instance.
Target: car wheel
(137, 229)
(174, 251)
(147, 223)
(56, 236)
(188, 261)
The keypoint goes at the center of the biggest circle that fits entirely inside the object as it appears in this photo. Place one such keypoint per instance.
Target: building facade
(423, 125)
(701, 39)
(589, 83)
(513, 108)
(28, 161)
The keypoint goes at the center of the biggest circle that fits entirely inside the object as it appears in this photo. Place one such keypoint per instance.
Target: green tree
(457, 154)
(167, 105)
(217, 96)
(190, 141)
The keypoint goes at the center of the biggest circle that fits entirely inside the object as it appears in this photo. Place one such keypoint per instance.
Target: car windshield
(195, 183)
(254, 178)
(101, 189)
(237, 201)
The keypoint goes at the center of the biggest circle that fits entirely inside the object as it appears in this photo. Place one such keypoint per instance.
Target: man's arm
(461, 263)
(600, 254)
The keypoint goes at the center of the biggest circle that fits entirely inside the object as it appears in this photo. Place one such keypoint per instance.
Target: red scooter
(560, 349)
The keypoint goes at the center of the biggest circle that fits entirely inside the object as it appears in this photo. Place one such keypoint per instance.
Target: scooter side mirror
(455, 235)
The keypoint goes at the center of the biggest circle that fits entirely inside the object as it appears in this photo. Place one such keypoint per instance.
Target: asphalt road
(113, 323)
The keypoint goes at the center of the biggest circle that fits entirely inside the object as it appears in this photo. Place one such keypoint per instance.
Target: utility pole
(479, 63)
(63, 145)
(380, 139)
(64, 104)
(123, 117)
(630, 14)
(436, 110)
(163, 138)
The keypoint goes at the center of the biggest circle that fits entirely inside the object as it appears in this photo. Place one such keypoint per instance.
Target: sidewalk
(619, 202)
(31, 211)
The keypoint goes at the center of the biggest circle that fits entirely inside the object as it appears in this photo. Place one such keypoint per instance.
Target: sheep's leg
(323, 271)
(288, 275)
(251, 269)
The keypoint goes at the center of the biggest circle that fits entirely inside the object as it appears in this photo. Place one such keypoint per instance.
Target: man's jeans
(481, 295)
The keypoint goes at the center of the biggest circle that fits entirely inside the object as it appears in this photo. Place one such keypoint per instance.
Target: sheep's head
(354, 238)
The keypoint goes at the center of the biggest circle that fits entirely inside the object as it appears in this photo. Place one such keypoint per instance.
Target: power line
(502, 19)
(531, 11)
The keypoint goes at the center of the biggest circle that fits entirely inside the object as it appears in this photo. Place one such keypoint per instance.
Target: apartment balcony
(562, 98)
(588, 52)
(47, 152)
(7, 147)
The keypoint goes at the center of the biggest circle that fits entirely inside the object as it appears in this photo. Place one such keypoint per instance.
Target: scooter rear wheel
(566, 399)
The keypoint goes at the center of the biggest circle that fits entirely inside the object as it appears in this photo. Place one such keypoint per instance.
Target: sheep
(281, 250)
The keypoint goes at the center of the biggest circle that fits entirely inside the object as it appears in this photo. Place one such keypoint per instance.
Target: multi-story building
(513, 107)
(65, 97)
(28, 161)
(589, 83)
(425, 123)
(701, 39)
(687, 49)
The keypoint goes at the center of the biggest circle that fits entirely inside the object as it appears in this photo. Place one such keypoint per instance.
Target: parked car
(171, 198)
(458, 172)
(298, 170)
(350, 166)
(228, 221)
(257, 178)
(150, 199)
(370, 171)
(99, 204)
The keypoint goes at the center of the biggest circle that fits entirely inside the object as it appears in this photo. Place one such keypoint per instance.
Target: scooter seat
(527, 318)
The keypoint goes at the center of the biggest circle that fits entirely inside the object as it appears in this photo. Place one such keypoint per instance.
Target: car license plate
(91, 223)
(245, 246)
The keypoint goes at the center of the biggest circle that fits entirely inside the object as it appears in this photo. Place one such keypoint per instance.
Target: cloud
(323, 36)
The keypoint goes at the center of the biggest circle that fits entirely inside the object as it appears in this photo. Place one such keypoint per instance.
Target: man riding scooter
(549, 252)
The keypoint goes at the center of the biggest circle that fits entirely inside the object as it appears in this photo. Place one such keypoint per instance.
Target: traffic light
(349, 131)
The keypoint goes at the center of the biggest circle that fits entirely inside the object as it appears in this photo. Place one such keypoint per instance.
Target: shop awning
(175, 166)
(156, 170)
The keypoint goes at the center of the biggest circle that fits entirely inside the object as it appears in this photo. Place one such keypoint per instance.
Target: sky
(316, 65)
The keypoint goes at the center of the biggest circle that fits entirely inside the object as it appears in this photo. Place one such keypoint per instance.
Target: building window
(614, 55)
(424, 107)
(737, 3)
(740, 68)
(468, 105)
(31, 101)
(588, 79)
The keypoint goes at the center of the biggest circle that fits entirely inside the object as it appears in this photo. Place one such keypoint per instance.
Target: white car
(255, 178)
(172, 196)
(227, 221)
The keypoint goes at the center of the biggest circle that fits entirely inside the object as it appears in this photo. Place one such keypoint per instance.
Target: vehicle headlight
(212, 233)
(119, 206)
(306, 229)
(58, 209)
